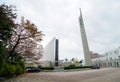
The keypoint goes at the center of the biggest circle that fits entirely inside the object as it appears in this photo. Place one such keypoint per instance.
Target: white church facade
(108, 59)
(50, 54)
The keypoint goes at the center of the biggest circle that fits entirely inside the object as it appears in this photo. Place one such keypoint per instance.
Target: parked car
(32, 69)
(95, 67)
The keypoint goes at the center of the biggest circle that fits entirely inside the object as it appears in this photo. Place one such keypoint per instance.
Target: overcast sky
(59, 18)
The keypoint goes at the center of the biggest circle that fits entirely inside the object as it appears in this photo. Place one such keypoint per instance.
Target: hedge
(46, 68)
(10, 70)
(76, 67)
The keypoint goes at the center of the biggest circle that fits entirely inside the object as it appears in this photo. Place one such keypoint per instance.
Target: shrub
(46, 68)
(19, 70)
(9, 70)
(22, 64)
(77, 67)
(1, 65)
(2, 69)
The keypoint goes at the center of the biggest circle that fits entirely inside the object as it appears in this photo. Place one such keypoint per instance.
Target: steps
(58, 69)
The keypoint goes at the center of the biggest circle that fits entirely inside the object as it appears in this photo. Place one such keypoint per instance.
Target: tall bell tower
(88, 61)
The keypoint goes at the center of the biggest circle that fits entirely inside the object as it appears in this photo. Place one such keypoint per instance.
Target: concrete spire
(88, 61)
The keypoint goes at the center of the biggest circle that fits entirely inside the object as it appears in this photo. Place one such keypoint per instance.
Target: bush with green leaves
(46, 68)
(11, 70)
(19, 70)
(2, 59)
(76, 67)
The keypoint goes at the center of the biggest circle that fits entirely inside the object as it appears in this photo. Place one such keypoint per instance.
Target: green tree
(8, 67)
(7, 17)
(17, 41)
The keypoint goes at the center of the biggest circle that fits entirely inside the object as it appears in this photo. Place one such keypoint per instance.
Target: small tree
(81, 61)
(25, 39)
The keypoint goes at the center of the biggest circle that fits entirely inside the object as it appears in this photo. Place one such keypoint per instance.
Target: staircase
(58, 69)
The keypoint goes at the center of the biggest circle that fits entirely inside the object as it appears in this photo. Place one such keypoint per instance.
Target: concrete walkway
(94, 75)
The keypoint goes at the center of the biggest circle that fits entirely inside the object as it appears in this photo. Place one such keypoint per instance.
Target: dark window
(56, 52)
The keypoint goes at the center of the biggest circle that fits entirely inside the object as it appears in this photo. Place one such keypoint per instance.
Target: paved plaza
(93, 75)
